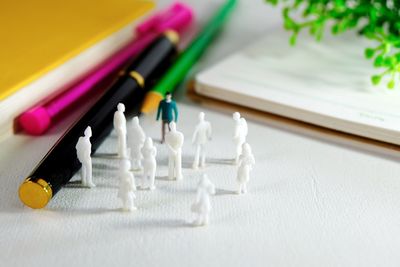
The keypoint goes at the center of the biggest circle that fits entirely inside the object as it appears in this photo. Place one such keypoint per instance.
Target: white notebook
(326, 83)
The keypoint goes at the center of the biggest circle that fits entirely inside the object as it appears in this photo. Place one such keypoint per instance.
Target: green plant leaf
(376, 79)
(369, 53)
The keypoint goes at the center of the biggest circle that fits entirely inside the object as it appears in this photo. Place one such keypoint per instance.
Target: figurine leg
(138, 164)
(238, 152)
(122, 148)
(163, 125)
(119, 143)
(244, 188)
(239, 191)
(197, 221)
(178, 166)
(171, 165)
(196, 158)
(206, 219)
(152, 178)
(89, 174)
(83, 175)
(130, 204)
(144, 179)
(203, 156)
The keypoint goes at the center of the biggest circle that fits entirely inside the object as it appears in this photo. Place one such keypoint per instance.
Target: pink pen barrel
(38, 119)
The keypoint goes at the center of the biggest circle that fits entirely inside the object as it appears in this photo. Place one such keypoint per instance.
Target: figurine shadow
(78, 184)
(223, 192)
(153, 224)
(220, 161)
(74, 184)
(164, 178)
(88, 211)
(106, 155)
(102, 166)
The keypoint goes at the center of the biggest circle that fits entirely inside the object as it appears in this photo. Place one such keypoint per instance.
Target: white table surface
(310, 203)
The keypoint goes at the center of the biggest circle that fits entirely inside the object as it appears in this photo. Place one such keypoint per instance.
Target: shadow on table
(220, 161)
(105, 155)
(223, 192)
(156, 223)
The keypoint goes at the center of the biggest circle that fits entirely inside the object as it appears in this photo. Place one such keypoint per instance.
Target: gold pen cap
(172, 35)
(35, 194)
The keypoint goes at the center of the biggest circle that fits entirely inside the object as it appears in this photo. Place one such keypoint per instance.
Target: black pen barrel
(61, 162)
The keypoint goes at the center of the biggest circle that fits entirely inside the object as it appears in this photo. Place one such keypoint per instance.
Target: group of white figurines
(141, 155)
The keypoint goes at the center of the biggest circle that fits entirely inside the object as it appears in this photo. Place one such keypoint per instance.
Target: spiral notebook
(325, 84)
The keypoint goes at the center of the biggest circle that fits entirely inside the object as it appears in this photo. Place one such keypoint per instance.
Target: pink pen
(39, 118)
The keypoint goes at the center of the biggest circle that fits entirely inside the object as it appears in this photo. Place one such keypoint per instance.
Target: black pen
(61, 162)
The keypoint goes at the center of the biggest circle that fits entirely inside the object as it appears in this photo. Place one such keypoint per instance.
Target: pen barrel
(61, 162)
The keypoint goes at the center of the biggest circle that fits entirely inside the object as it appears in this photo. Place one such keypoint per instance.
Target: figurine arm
(142, 134)
(236, 134)
(175, 110)
(209, 131)
(194, 135)
(171, 149)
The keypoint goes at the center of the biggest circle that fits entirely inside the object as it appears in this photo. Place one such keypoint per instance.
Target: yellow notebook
(39, 35)
(47, 45)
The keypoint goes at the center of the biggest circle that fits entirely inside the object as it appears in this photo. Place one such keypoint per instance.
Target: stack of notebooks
(49, 45)
(323, 86)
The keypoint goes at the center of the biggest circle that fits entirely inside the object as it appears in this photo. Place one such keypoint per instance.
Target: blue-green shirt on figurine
(168, 110)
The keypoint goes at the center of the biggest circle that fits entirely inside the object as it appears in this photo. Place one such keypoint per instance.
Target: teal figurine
(169, 112)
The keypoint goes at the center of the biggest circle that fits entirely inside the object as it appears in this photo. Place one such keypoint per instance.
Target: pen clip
(176, 17)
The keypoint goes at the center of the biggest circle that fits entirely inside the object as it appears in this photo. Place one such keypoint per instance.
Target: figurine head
(121, 107)
(135, 121)
(236, 116)
(125, 164)
(201, 116)
(172, 126)
(88, 132)
(168, 96)
(148, 142)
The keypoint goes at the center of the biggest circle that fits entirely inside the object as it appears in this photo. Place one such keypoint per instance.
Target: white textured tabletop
(310, 203)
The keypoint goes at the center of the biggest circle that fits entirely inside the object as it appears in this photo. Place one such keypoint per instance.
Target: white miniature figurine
(174, 141)
(83, 150)
(149, 152)
(136, 137)
(202, 206)
(120, 128)
(201, 135)
(240, 133)
(246, 162)
(127, 186)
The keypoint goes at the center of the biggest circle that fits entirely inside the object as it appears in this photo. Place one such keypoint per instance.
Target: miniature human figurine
(136, 137)
(120, 128)
(149, 152)
(201, 135)
(246, 162)
(83, 149)
(174, 141)
(202, 206)
(169, 112)
(126, 186)
(240, 133)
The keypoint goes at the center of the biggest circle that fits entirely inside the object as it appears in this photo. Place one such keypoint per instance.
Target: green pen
(187, 59)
